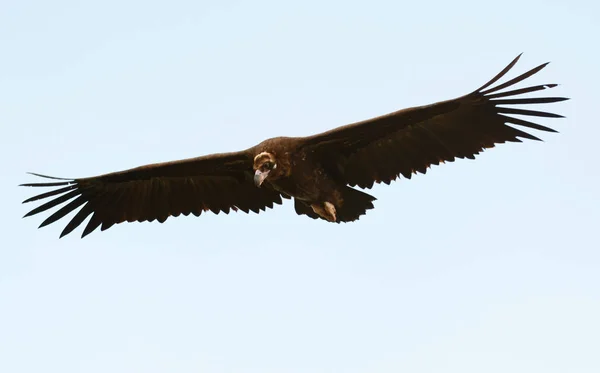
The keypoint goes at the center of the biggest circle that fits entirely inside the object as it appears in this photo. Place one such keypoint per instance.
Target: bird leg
(325, 210)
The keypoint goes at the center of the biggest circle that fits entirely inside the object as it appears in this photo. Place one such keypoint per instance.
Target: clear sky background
(479, 266)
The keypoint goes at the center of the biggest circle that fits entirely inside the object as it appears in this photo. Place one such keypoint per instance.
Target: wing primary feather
(516, 80)
(64, 211)
(532, 100)
(52, 203)
(534, 113)
(522, 134)
(521, 91)
(525, 123)
(77, 220)
(92, 225)
(46, 184)
(50, 177)
(50, 194)
(106, 225)
(500, 74)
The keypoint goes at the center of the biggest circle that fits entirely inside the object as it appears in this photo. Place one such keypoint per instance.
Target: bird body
(301, 174)
(320, 172)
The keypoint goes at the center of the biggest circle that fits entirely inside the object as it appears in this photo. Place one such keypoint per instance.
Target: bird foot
(326, 211)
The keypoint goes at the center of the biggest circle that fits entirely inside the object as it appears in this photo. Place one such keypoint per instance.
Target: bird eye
(268, 165)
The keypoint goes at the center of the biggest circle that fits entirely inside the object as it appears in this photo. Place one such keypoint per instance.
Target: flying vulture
(319, 172)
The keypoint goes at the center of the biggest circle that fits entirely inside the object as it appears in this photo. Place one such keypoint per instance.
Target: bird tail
(355, 203)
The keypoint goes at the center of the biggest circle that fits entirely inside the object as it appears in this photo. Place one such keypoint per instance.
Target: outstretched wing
(219, 182)
(411, 140)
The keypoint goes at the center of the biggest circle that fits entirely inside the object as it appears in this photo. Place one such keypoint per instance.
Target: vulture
(320, 172)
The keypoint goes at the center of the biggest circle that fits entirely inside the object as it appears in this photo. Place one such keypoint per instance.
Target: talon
(326, 211)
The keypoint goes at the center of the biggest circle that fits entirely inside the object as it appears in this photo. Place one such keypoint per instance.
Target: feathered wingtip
(69, 183)
(48, 177)
(501, 98)
(65, 182)
(500, 74)
(70, 189)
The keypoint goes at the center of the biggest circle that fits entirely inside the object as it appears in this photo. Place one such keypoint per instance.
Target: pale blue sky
(479, 266)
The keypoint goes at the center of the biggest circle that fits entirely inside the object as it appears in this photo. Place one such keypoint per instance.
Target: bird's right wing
(218, 182)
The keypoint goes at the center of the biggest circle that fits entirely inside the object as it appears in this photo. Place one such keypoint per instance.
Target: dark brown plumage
(317, 171)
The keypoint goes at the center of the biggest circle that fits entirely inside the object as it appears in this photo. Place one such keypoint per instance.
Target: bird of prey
(319, 172)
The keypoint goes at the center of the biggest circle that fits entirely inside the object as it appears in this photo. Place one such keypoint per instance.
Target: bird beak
(259, 177)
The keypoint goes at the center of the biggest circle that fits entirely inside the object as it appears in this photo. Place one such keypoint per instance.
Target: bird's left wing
(218, 182)
(410, 140)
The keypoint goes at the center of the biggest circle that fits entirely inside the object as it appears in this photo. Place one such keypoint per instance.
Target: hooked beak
(259, 177)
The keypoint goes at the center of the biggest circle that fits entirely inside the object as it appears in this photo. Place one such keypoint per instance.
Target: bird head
(264, 164)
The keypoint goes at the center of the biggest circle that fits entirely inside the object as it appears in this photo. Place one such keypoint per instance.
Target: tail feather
(355, 204)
